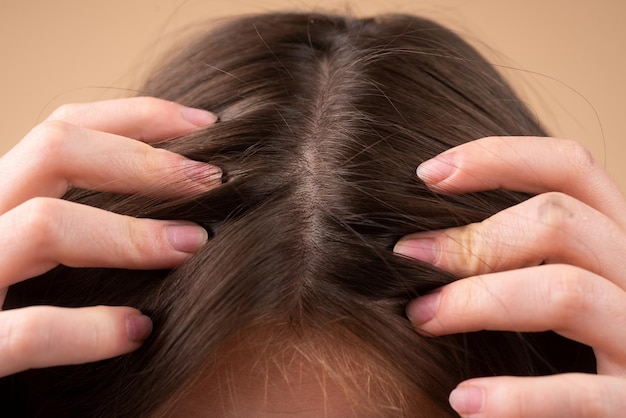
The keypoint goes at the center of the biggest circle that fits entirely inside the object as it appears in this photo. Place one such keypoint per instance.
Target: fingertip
(423, 309)
(198, 117)
(419, 248)
(138, 327)
(437, 169)
(186, 237)
(206, 174)
(48, 336)
(467, 400)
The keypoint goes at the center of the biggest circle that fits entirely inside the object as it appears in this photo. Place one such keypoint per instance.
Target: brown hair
(323, 120)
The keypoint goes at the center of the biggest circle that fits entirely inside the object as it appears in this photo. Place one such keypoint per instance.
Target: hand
(554, 262)
(89, 146)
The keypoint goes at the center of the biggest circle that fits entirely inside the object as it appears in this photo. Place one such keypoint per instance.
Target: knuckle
(94, 337)
(142, 243)
(158, 113)
(65, 112)
(461, 304)
(105, 334)
(155, 168)
(23, 339)
(49, 138)
(159, 163)
(569, 293)
(111, 334)
(555, 211)
(450, 306)
(157, 158)
(38, 219)
(465, 252)
(147, 107)
(579, 157)
(142, 160)
(159, 171)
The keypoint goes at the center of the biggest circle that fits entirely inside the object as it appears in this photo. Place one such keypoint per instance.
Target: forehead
(252, 377)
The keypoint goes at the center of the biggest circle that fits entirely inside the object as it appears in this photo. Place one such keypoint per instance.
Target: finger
(526, 164)
(45, 336)
(42, 233)
(57, 155)
(568, 300)
(564, 395)
(526, 235)
(144, 118)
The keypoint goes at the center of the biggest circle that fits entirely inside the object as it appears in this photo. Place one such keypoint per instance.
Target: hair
(323, 120)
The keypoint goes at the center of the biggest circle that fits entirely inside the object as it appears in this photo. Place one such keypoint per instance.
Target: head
(296, 304)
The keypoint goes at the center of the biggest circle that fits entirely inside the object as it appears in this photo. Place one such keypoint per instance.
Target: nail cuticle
(437, 169)
(198, 117)
(467, 400)
(201, 172)
(186, 238)
(423, 309)
(138, 327)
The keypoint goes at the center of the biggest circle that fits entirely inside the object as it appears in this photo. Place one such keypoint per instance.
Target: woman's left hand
(554, 262)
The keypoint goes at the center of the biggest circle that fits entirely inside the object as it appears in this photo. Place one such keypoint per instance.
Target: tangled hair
(323, 120)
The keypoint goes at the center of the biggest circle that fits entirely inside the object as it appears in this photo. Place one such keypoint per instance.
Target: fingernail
(202, 172)
(436, 169)
(186, 238)
(467, 400)
(198, 117)
(138, 327)
(421, 310)
(424, 249)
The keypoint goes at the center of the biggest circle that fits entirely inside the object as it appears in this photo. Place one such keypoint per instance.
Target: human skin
(554, 262)
(515, 276)
(100, 146)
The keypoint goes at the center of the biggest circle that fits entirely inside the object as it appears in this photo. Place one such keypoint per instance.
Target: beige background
(565, 56)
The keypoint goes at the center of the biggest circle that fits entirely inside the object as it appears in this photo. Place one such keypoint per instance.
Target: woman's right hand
(100, 146)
